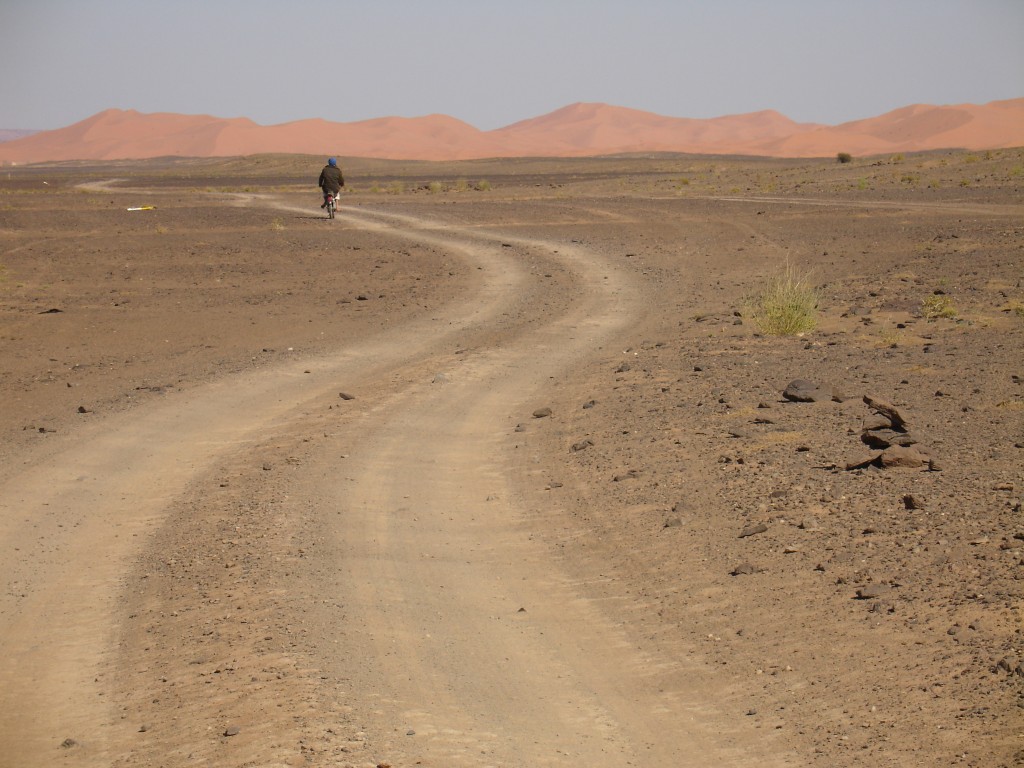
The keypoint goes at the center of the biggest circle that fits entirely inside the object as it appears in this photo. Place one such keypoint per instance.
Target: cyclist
(331, 180)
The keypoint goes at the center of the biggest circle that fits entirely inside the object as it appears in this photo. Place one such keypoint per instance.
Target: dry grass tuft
(937, 306)
(787, 305)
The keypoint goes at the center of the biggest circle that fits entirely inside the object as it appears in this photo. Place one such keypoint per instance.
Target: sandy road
(436, 549)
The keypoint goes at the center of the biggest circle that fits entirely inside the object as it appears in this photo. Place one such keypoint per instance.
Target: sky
(491, 63)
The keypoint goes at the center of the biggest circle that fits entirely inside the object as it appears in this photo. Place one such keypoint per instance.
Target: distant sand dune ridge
(578, 130)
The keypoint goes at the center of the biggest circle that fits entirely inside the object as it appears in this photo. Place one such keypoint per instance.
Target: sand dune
(573, 131)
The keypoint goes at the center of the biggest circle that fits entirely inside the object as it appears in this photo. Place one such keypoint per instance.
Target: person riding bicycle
(331, 181)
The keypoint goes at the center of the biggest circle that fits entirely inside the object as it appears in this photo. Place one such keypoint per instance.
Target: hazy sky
(493, 62)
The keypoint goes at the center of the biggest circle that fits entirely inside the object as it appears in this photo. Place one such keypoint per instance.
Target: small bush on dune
(844, 157)
(787, 305)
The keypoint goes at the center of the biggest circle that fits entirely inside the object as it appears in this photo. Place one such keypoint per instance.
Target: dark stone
(911, 502)
(803, 391)
(542, 413)
(875, 440)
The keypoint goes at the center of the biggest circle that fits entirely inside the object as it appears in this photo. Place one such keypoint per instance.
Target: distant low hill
(578, 130)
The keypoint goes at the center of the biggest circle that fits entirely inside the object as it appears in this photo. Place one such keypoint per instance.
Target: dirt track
(419, 574)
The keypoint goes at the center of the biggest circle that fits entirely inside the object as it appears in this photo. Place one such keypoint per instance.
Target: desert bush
(844, 157)
(890, 337)
(434, 187)
(483, 185)
(397, 188)
(938, 305)
(461, 185)
(787, 304)
(277, 225)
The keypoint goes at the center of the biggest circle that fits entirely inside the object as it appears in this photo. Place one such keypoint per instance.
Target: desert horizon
(582, 129)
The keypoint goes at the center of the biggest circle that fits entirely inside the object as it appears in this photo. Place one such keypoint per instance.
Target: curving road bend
(435, 547)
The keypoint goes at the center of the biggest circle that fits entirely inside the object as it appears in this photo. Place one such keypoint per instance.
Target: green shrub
(434, 187)
(787, 305)
(844, 157)
(483, 185)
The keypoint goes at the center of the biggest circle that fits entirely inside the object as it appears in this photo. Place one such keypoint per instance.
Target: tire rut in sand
(424, 562)
(73, 520)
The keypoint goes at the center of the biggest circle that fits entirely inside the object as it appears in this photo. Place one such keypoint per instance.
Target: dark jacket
(331, 179)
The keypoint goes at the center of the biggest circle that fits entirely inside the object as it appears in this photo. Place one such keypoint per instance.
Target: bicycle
(330, 204)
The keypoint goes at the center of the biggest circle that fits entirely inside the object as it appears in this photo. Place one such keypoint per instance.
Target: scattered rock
(753, 530)
(744, 569)
(83, 409)
(873, 591)
(582, 445)
(887, 409)
(862, 463)
(69, 743)
(542, 413)
(875, 440)
(875, 422)
(346, 396)
(677, 522)
(898, 456)
(841, 396)
(632, 474)
(911, 502)
(232, 730)
(803, 391)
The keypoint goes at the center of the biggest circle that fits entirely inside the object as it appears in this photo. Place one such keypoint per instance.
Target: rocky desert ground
(497, 469)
